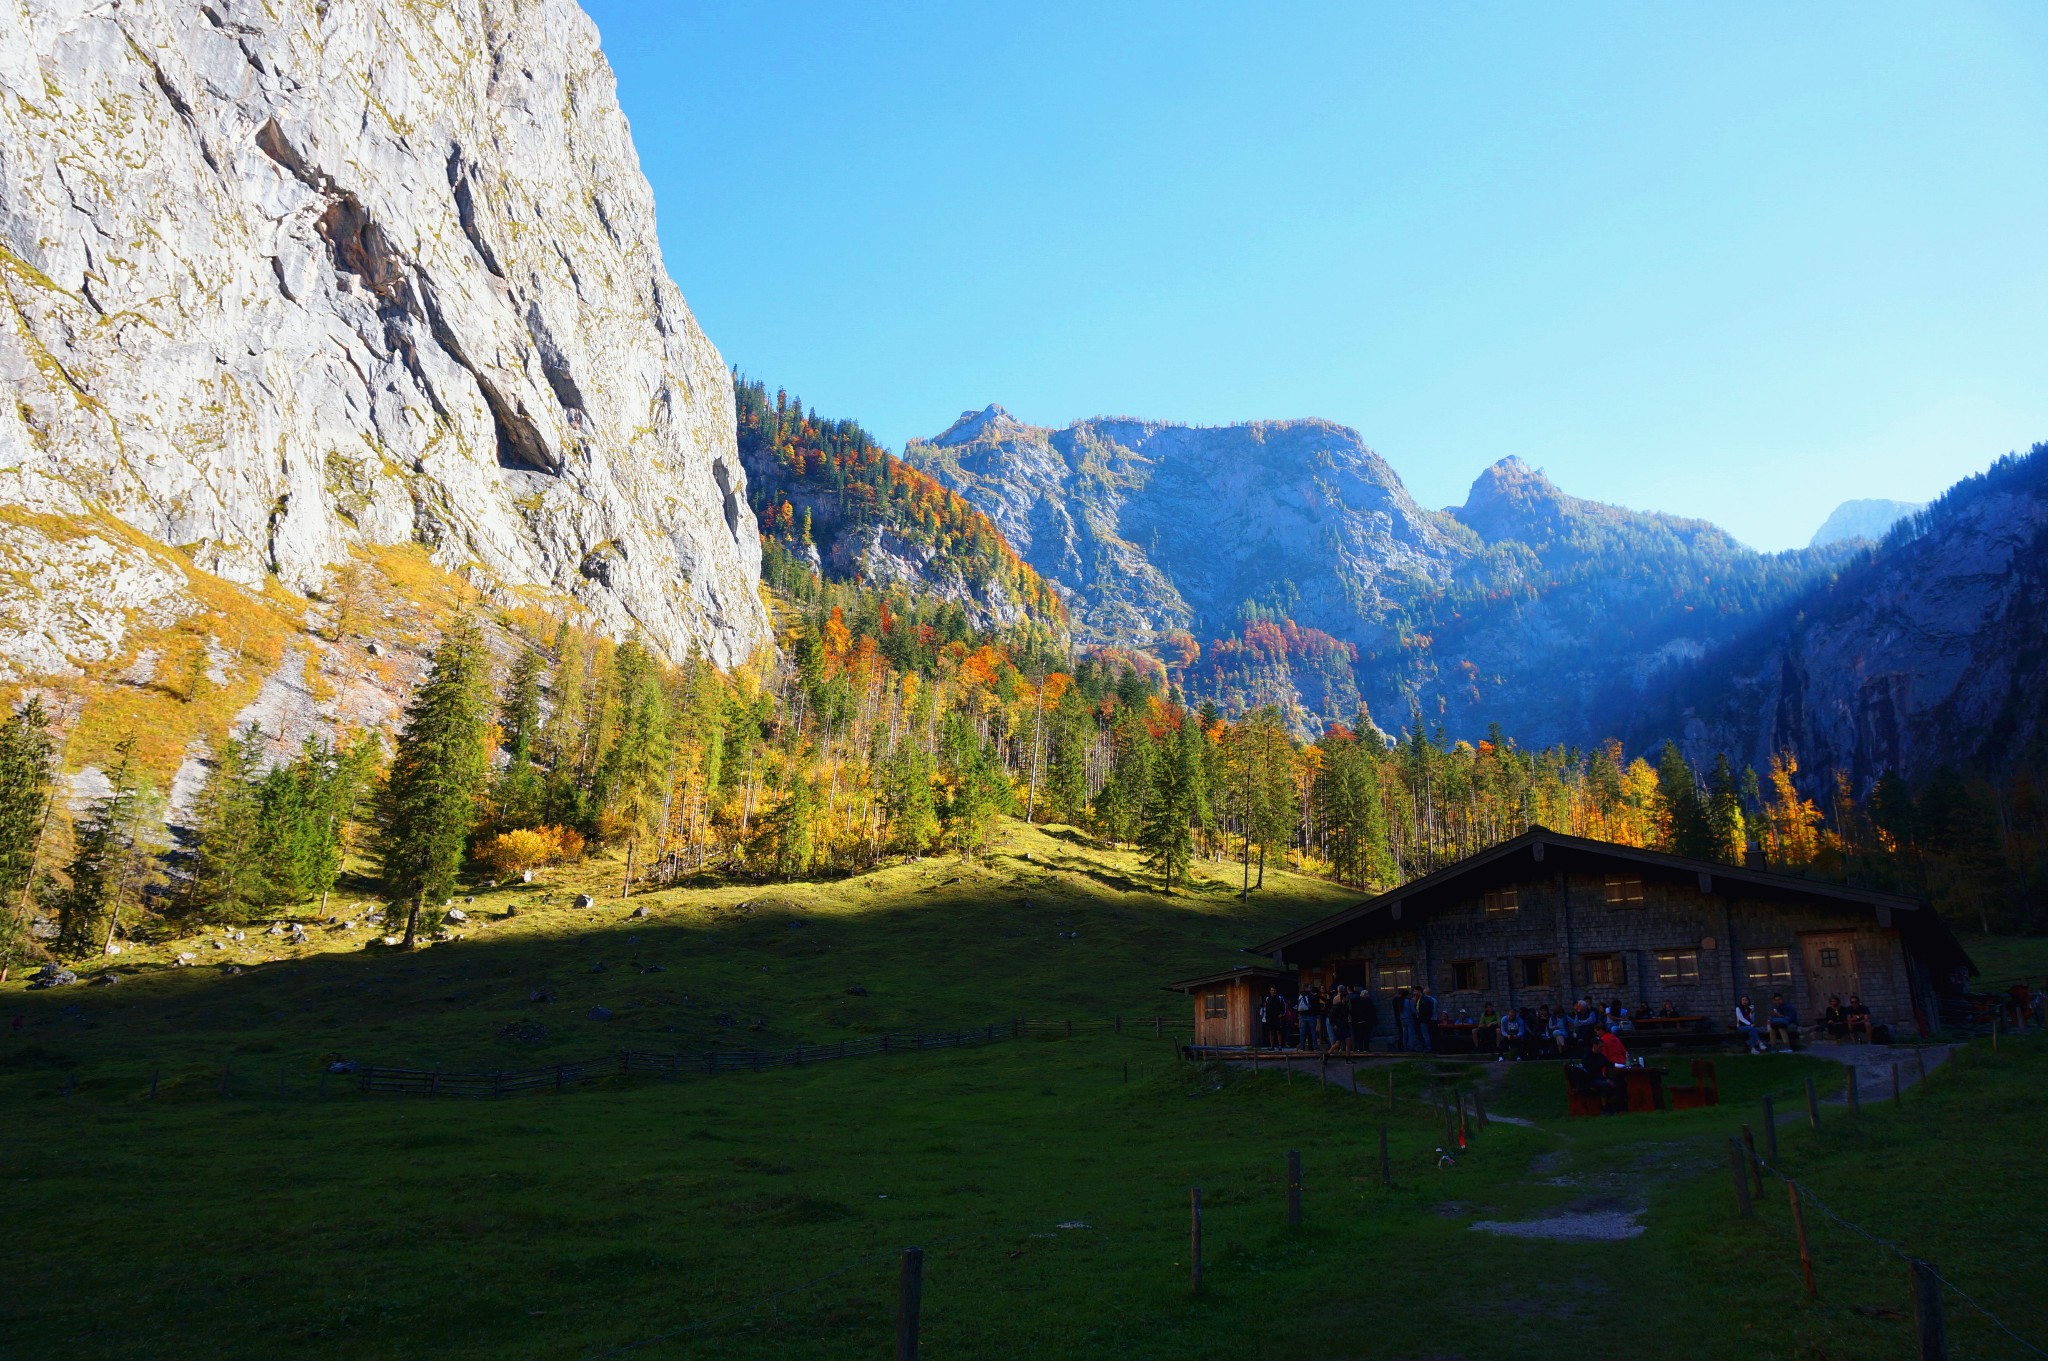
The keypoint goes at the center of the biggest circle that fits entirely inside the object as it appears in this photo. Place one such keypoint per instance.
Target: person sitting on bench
(1512, 1031)
(1745, 1022)
(1784, 1024)
(1858, 1017)
(1667, 1012)
(1834, 1020)
(1608, 1046)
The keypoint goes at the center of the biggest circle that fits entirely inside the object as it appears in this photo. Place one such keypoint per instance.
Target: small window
(1605, 971)
(1501, 902)
(1678, 966)
(1830, 957)
(1624, 891)
(1468, 975)
(1768, 966)
(1396, 976)
(1535, 971)
(1215, 1006)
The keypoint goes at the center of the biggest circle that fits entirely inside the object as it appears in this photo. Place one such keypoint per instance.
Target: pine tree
(518, 792)
(1167, 835)
(908, 800)
(25, 789)
(110, 859)
(430, 798)
(1682, 818)
(25, 778)
(1727, 835)
(227, 871)
(790, 831)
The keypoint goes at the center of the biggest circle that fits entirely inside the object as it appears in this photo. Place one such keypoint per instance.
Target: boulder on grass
(53, 976)
(584, 900)
(600, 1013)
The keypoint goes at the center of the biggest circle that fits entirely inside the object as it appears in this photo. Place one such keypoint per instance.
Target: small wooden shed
(1227, 1003)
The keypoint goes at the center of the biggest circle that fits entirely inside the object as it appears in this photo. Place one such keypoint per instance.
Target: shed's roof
(1265, 971)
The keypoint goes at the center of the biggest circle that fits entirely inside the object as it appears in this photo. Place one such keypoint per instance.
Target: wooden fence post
(1293, 1188)
(1195, 1241)
(1812, 1105)
(1158, 1027)
(1735, 1161)
(156, 1073)
(1799, 1231)
(1479, 1110)
(1928, 1327)
(1771, 1127)
(1386, 1163)
(1749, 1150)
(909, 1298)
(1390, 1089)
(1854, 1093)
(1070, 1027)
(1898, 1098)
(226, 1085)
(1920, 1056)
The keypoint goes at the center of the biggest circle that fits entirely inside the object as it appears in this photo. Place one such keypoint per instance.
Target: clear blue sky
(1740, 262)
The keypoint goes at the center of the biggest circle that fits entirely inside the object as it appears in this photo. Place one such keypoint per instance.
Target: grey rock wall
(282, 279)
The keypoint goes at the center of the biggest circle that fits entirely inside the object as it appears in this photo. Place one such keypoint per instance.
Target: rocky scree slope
(288, 279)
(1925, 651)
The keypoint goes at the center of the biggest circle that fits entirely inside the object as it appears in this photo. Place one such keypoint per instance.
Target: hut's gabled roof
(1918, 922)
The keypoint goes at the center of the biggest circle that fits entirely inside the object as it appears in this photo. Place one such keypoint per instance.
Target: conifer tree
(1727, 836)
(518, 792)
(912, 809)
(1167, 835)
(430, 798)
(1681, 816)
(109, 860)
(26, 781)
(227, 872)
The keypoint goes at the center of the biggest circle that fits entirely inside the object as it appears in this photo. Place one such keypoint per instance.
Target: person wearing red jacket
(1610, 1047)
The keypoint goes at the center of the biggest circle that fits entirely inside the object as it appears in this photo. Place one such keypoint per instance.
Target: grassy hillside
(761, 1216)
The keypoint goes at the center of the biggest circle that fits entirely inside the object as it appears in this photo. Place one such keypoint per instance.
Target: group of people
(1343, 1017)
(1338, 1019)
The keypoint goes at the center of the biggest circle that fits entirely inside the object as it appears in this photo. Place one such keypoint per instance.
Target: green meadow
(1047, 1179)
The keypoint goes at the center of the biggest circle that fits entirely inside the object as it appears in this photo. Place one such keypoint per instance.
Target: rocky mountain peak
(990, 422)
(1511, 500)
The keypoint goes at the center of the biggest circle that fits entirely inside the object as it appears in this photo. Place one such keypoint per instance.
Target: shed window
(1605, 971)
(1678, 966)
(1830, 957)
(1468, 975)
(1624, 891)
(1215, 1006)
(1535, 971)
(1397, 976)
(1768, 966)
(1501, 902)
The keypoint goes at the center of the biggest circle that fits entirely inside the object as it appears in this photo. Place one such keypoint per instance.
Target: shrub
(527, 847)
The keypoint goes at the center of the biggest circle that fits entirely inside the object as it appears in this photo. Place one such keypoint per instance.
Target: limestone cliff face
(289, 277)
(1926, 651)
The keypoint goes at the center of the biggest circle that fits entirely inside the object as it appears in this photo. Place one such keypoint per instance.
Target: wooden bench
(1704, 1091)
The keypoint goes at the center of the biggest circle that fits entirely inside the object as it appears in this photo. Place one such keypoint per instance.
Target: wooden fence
(656, 1065)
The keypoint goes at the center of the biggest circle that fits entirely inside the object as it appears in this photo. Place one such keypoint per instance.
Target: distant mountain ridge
(1541, 611)
(1865, 519)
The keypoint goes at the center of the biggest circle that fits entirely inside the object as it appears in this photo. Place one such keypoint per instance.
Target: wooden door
(1831, 970)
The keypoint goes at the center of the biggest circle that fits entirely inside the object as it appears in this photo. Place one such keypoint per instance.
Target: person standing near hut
(1273, 1019)
(1364, 1019)
(1425, 1020)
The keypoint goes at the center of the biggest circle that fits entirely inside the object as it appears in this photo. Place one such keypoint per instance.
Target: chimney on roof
(1753, 857)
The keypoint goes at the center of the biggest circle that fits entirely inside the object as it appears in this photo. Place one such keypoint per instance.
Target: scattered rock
(584, 900)
(524, 1032)
(184, 957)
(540, 995)
(233, 969)
(856, 991)
(600, 1013)
(597, 967)
(653, 968)
(342, 1066)
(640, 912)
(457, 915)
(391, 940)
(758, 1025)
(218, 945)
(374, 649)
(725, 1020)
(276, 930)
(106, 980)
(526, 876)
(113, 949)
(52, 976)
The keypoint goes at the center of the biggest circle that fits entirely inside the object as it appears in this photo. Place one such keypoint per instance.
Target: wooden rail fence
(674, 1066)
